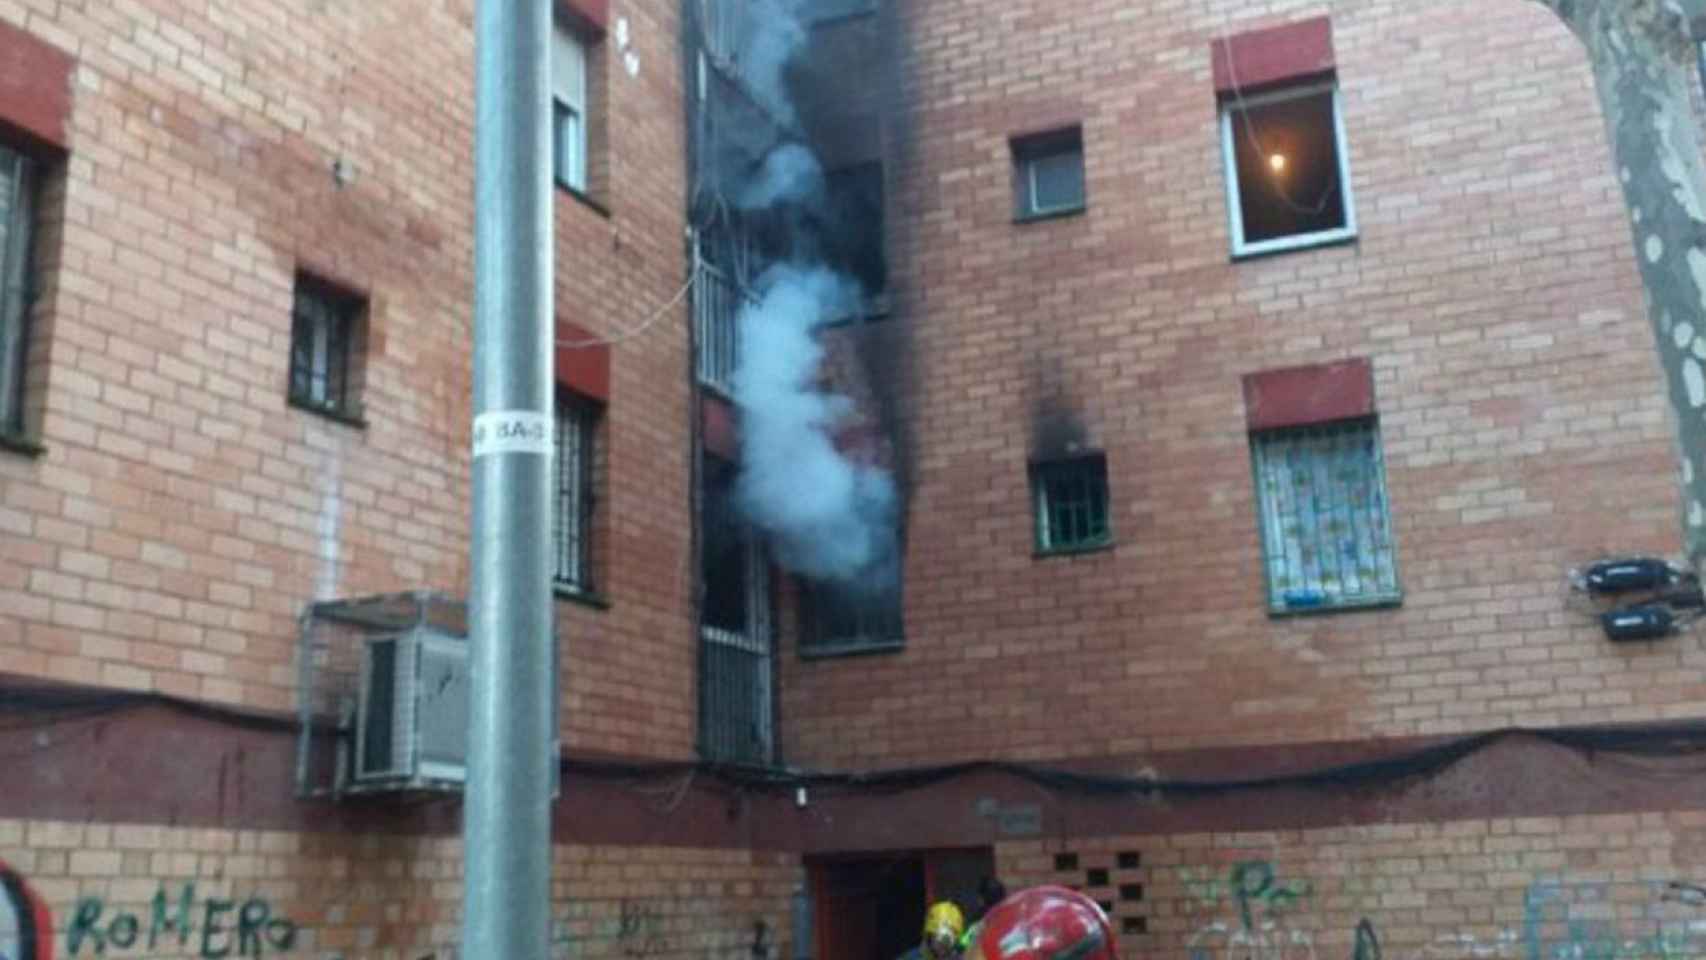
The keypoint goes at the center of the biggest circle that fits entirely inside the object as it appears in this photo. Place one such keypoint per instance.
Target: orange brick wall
(1623, 886)
(183, 514)
(1491, 287)
(379, 897)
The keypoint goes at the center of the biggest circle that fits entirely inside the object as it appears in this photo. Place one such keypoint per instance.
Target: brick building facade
(1092, 384)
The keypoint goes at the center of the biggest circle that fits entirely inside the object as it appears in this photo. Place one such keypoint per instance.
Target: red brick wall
(1491, 288)
(183, 514)
(374, 896)
(1543, 886)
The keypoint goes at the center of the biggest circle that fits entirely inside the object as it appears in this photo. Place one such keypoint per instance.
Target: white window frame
(14, 289)
(1234, 195)
(569, 54)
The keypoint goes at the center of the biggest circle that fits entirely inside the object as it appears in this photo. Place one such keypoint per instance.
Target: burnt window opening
(723, 551)
(1071, 497)
(856, 227)
(1048, 174)
(846, 619)
(326, 333)
(1287, 171)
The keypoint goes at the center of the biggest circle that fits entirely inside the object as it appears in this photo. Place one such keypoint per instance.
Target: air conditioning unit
(412, 714)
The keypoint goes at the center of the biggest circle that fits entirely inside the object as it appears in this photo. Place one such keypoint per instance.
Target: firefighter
(944, 924)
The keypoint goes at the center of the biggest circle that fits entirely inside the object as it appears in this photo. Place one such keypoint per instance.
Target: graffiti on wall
(636, 932)
(26, 927)
(1264, 914)
(1255, 913)
(179, 920)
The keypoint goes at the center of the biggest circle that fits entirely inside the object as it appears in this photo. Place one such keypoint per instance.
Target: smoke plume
(772, 36)
(831, 518)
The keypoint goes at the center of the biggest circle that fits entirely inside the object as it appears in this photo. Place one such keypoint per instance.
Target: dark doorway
(868, 909)
(872, 907)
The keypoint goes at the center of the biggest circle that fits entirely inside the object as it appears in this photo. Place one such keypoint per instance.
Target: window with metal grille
(1326, 530)
(324, 337)
(849, 618)
(736, 662)
(1048, 173)
(1072, 504)
(569, 107)
(576, 429)
(17, 223)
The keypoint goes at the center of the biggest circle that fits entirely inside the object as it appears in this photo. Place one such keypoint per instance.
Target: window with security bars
(853, 618)
(17, 222)
(324, 336)
(576, 430)
(1071, 504)
(736, 719)
(1326, 528)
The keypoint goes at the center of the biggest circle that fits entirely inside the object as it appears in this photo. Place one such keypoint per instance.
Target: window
(325, 348)
(1048, 174)
(841, 618)
(1326, 531)
(735, 714)
(568, 108)
(1288, 183)
(576, 426)
(1072, 504)
(17, 223)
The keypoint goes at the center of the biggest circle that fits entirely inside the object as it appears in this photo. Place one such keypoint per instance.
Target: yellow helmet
(943, 925)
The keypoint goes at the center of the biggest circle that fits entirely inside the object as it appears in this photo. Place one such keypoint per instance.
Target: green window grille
(1326, 528)
(1071, 503)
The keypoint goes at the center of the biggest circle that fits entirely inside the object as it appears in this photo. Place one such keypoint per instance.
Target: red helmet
(1044, 923)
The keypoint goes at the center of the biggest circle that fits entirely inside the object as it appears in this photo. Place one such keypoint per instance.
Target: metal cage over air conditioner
(384, 695)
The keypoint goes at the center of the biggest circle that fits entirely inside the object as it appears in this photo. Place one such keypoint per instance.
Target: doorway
(871, 907)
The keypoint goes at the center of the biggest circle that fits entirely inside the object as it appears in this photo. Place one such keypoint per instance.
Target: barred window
(324, 336)
(1071, 503)
(576, 428)
(1326, 530)
(840, 619)
(17, 223)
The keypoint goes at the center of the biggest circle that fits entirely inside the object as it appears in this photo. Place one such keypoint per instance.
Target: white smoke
(773, 35)
(789, 172)
(830, 518)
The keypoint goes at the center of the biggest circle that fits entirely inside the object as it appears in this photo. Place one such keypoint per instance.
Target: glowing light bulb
(1277, 163)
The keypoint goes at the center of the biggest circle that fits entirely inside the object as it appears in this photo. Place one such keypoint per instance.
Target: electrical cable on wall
(51, 707)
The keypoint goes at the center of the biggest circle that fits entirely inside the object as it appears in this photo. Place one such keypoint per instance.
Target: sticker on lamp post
(513, 431)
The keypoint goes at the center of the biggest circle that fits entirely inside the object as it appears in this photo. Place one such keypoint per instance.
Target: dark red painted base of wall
(154, 764)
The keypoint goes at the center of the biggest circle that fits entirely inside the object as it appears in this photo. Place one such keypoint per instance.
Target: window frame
(588, 414)
(1030, 149)
(1234, 190)
(347, 311)
(1040, 513)
(1367, 601)
(811, 643)
(18, 292)
(570, 172)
